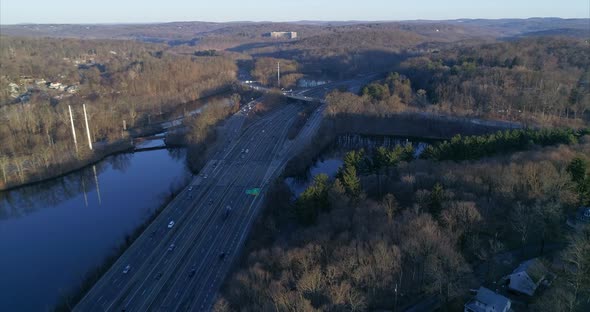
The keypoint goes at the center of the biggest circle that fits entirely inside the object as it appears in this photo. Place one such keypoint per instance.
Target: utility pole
(97, 185)
(279, 74)
(73, 129)
(87, 128)
(84, 191)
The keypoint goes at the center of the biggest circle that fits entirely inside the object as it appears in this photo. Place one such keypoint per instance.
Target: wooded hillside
(122, 83)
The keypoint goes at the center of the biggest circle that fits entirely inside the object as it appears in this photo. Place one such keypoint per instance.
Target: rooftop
(488, 301)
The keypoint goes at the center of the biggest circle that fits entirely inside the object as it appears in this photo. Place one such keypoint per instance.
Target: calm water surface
(53, 233)
(332, 159)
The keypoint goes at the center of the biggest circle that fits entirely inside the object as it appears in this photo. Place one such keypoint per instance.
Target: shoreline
(112, 150)
(115, 148)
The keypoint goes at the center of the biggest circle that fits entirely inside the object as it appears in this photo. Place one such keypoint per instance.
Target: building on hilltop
(282, 34)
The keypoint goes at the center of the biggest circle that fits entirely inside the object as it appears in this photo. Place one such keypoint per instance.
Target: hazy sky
(134, 11)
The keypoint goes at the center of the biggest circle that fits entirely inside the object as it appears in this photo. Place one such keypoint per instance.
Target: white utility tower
(87, 128)
(73, 129)
(279, 74)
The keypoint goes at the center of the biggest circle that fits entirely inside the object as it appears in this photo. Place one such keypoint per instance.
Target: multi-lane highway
(181, 267)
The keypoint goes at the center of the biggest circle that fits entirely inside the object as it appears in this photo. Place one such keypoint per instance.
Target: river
(53, 233)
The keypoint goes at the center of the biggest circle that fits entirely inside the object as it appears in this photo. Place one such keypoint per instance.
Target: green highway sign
(253, 192)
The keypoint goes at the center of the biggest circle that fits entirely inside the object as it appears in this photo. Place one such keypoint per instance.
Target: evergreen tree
(313, 200)
(354, 158)
(351, 181)
(578, 169)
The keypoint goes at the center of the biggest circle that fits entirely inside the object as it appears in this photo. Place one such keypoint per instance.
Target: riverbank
(62, 169)
(24, 176)
(67, 302)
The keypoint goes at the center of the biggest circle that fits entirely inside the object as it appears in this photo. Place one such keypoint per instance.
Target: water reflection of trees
(177, 153)
(27, 199)
(121, 162)
(51, 193)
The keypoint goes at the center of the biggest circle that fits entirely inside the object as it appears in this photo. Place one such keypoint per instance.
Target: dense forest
(538, 80)
(420, 228)
(533, 81)
(531, 78)
(123, 84)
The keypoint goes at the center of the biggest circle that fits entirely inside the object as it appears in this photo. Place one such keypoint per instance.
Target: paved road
(318, 94)
(206, 235)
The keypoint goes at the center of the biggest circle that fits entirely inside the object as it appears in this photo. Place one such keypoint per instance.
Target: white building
(14, 89)
(488, 301)
(72, 89)
(55, 85)
(283, 34)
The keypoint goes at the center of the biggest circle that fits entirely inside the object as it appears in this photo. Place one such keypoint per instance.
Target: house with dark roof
(583, 214)
(488, 301)
(527, 277)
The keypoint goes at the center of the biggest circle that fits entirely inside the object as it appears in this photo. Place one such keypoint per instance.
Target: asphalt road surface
(181, 268)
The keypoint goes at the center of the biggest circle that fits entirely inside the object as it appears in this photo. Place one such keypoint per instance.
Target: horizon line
(300, 21)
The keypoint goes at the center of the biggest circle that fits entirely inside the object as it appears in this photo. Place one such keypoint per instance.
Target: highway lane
(216, 200)
(242, 176)
(206, 280)
(206, 294)
(149, 256)
(185, 296)
(112, 281)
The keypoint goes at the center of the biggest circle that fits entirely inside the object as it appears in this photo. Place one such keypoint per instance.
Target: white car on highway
(127, 269)
(171, 224)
